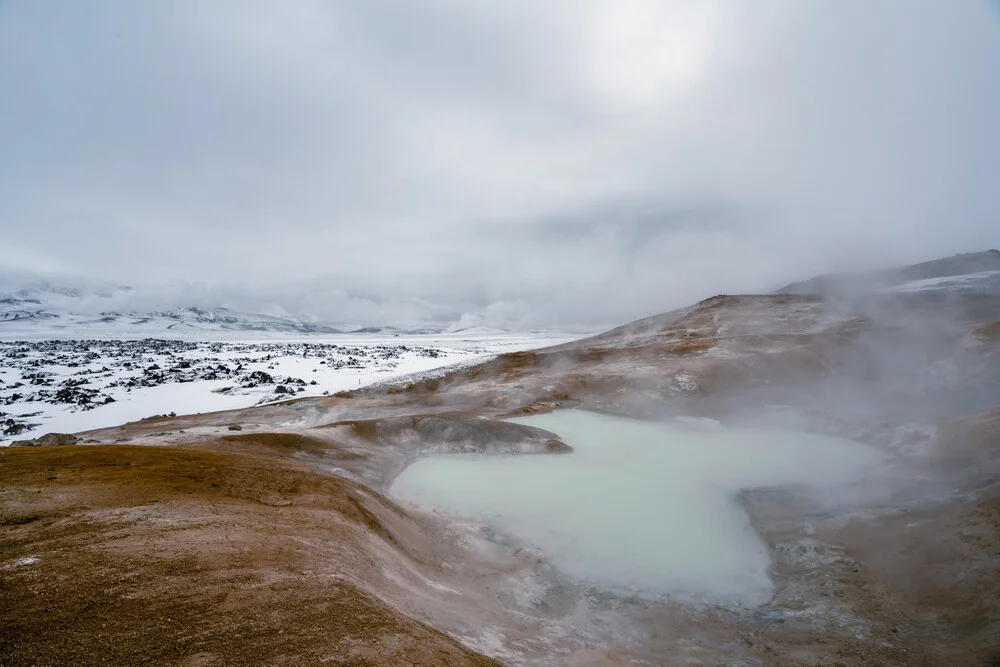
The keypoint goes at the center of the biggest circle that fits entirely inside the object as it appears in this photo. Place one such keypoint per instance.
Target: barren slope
(159, 555)
(907, 575)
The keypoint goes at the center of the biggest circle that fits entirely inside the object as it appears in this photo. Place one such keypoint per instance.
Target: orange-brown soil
(162, 555)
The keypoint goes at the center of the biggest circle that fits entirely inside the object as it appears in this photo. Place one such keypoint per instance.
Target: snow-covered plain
(54, 381)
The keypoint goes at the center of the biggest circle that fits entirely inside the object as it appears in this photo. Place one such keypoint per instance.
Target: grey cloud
(518, 163)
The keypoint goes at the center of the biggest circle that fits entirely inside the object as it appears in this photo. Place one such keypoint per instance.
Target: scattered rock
(235, 427)
(87, 374)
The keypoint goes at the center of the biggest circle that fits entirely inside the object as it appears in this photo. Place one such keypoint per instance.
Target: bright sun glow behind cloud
(641, 53)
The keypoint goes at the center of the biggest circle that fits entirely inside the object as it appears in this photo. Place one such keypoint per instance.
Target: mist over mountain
(76, 305)
(313, 308)
(969, 272)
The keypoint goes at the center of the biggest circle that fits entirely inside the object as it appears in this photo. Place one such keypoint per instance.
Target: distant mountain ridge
(43, 308)
(33, 310)
(981, 270)
(228, 319)
(109, 310)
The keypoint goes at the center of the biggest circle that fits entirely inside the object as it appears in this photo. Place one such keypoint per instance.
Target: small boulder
(57, 439)
(557, 446)
(235, 427)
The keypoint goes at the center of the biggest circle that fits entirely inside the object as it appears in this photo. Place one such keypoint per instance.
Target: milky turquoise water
(639, 505)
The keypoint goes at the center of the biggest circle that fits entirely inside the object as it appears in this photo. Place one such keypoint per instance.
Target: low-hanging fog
(507, 164)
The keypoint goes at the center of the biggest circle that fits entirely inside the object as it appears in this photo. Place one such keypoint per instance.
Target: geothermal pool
(642, 506)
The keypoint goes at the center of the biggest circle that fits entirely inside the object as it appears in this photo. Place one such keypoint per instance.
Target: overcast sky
(523, 163)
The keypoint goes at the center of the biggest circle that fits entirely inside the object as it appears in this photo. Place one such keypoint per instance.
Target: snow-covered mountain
(969, 273)
(43, 309)
(980, 282)
(32, 315)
